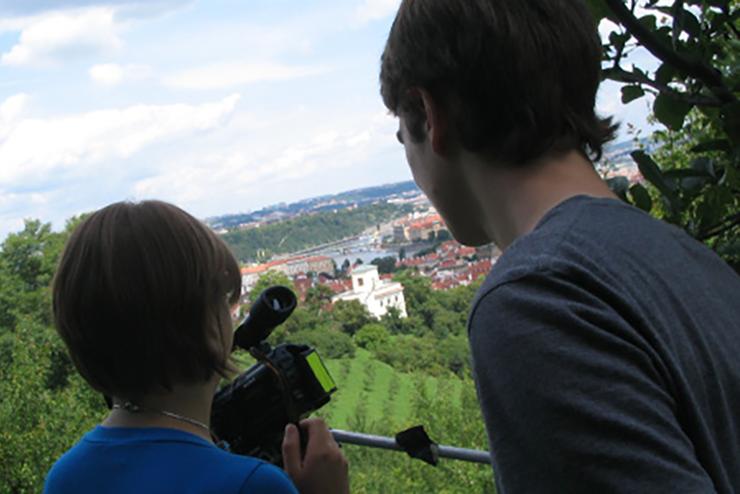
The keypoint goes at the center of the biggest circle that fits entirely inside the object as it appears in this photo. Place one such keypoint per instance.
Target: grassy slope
(384, 393)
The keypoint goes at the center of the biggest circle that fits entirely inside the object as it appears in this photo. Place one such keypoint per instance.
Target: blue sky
(219, 106)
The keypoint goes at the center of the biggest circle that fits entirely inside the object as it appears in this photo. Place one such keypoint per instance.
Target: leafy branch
(696, 68)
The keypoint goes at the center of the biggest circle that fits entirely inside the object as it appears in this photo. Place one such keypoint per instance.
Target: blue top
(158, 460)
(606, 349)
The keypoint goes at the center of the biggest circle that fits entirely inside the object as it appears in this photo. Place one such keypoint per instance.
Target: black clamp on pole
(417, 444)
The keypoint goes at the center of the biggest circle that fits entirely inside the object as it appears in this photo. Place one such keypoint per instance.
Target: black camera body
(286, 385)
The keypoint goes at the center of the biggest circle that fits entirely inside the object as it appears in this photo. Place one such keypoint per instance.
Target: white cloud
(108, 74)
(112, 74)
(63, 35)
(207, 180)
(12, 108)
(371, 10)
(227, 75)
(36, 150)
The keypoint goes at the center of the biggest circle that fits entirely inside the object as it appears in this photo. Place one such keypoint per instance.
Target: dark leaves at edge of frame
(671, 111)
(599, 10)
(640, 197)
(651, 172)
(631, 93)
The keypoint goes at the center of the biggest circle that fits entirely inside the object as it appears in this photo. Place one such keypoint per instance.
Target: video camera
(287, 383)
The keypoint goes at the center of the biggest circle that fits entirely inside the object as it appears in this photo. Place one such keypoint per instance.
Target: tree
(318, 297)
(392, 321)
(270, 278)
(330, 344)
(386, 265)
(350, 315)
(694, 174)
(417, 289)
(455, 352)
(409, 353)
(372, 336)
(45, 407)
(38, 423)
(27, 262)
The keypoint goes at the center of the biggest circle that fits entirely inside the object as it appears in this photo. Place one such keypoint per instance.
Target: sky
(219, 106)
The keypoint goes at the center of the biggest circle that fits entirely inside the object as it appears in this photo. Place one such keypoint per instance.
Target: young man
(142, 299)
(605, 343)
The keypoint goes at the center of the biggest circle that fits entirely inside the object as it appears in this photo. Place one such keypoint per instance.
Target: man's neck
(514, 200)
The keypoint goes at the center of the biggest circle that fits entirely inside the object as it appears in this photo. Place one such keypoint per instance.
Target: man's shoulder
(598, 238)
(547, 245)
(611, 254)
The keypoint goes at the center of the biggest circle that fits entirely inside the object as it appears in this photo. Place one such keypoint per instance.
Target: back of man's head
(518, 77)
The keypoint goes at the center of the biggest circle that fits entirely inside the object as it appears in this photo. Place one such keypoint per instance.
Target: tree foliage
(372, 336)
(270, 278)
(27, 263)
(694, 172)
(351, 315)
(45, 406)
(385, 265)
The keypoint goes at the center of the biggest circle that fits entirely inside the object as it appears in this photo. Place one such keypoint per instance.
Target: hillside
(309, 230)
(377, 393)
(329, 202)
(376, 399)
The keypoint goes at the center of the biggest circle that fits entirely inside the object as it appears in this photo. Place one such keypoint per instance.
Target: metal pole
(383, 442)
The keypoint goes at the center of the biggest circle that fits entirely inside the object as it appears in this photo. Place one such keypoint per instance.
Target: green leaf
(705, 165)
(691, 24)
(641, 198)
(713, 145)
(617, 39)
(670, 111)
(652, 174)
(599, 9)
(679, 173)
(665, 73)
(649, 22)
(631, 93)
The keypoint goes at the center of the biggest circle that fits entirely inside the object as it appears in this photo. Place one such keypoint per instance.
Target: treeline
(45, 407)
(309, 231)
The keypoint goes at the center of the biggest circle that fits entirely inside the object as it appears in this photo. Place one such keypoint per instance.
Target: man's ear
(437, 122)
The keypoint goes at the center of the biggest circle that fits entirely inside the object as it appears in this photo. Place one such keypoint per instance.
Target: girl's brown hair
(141, 298)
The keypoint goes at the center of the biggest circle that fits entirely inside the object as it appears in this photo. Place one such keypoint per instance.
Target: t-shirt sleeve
(270, 479)
(574, 400)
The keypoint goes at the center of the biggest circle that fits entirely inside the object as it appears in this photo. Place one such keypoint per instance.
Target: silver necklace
(127, 406)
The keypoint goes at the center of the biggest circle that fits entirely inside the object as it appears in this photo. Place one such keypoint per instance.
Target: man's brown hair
(519, 77)
(141, 298)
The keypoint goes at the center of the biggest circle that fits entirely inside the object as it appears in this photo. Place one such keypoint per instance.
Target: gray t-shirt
(606, 352)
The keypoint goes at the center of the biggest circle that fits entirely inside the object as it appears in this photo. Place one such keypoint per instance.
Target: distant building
(250, 275)
(425, 228)
(399, 234)
(292, 267)
(375, 294)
